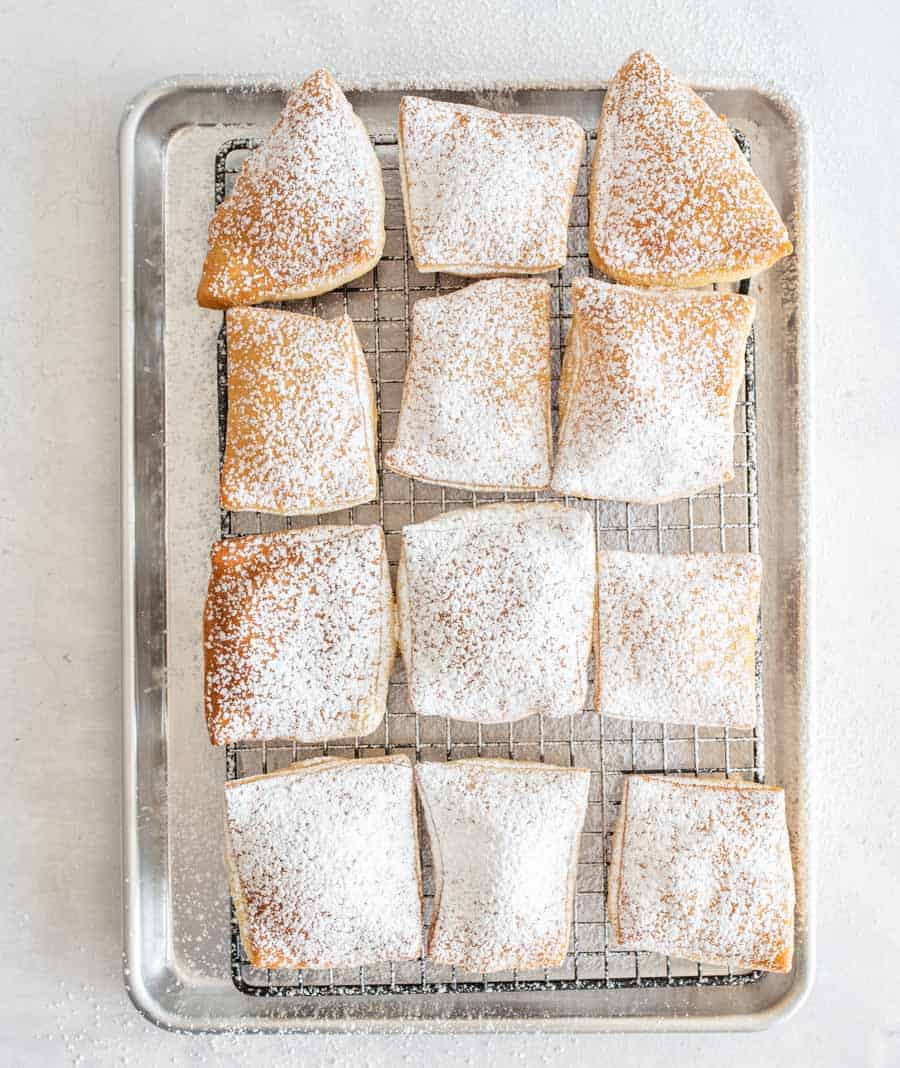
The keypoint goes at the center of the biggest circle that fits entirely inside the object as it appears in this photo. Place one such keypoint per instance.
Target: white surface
(68, 70)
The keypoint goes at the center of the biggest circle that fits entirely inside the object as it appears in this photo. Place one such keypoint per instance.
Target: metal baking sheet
(179, 970)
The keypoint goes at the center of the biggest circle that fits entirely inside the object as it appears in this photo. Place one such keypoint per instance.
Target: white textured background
(67, 71)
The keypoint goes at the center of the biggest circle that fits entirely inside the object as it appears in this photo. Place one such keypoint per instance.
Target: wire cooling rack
(724, 519)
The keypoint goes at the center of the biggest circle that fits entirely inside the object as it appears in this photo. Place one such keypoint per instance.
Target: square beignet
(504, 836)
(677, 637)
(484, 192)
(299, 635)
(673, 201)
(301, 415)
(648, 391)
(323, 863)
(701, 869)
(496, 609)
(306, 213)
(476, 400)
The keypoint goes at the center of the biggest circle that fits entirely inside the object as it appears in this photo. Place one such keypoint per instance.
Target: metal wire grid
(719, 520)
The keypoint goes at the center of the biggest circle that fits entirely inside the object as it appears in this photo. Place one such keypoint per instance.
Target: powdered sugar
(486, 193)
(648, 392)
(324, 863)
(672, 199)
(476, 401)
(299, 635)
(307, 210)
(504, 836)
(496, 608)
(677, 637)
(702, 869)
(301, 422)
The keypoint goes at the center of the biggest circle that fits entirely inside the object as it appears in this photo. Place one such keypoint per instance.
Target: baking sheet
(176, 924)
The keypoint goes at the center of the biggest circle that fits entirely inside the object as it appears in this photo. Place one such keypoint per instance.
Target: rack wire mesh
(722, 519)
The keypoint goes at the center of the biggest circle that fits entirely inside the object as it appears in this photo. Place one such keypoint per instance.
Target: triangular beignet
(307, 210)
(648, 391)
(673, 201)
(485, 192)
(476, 400)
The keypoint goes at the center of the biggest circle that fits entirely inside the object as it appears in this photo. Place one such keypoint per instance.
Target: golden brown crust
(731, 900)
(307, 211)
(306, 612)
(648, 389)
(672, 200)
(301, 415)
